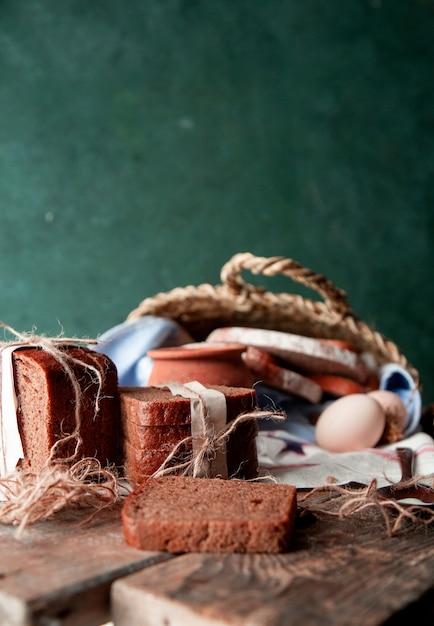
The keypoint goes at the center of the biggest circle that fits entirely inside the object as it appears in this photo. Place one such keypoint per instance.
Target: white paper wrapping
(11, 448)
(208, 418)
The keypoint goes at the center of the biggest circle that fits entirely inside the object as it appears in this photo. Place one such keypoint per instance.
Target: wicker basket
(236, 303)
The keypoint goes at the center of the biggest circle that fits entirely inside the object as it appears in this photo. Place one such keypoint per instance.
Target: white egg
(351, 423)
(393, 406)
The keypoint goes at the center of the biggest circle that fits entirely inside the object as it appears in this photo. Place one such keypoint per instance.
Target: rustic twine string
(31, 497)
(193, 465)
(63, 481)
(342, 501)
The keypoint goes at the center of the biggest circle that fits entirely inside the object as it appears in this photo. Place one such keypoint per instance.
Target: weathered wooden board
(338, 572)
(60, 572)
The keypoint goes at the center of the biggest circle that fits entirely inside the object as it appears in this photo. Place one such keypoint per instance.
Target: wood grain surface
(338, 572)
(60, 572)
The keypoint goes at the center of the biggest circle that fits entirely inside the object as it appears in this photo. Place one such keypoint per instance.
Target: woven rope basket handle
(202, 308)
(334, 298)
(335, 307)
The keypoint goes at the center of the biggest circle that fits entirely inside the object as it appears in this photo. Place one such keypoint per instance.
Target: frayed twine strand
(63, 481)
(35, 496)
(194, 464)
(343, 502)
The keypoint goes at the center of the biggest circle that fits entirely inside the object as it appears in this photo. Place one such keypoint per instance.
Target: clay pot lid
(199, 350)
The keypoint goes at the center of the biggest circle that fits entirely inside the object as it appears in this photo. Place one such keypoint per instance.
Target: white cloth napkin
(127, 345)
(305, 465)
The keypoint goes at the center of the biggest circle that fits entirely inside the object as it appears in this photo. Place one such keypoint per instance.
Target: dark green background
(142, 143)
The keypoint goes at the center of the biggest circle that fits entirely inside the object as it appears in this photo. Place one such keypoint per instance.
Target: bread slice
(46, 405)
(146, 461)
(263, 365)
(154, 437)
(184, 514)
(153, 406)
(306, 355)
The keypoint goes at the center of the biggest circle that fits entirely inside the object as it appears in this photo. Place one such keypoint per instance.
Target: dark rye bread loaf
(184, 514)
(154, 414)
(46, 402)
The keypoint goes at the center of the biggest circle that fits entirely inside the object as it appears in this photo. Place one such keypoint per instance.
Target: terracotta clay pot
(209, 364)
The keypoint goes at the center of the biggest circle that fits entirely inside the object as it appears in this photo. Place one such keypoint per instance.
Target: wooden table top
(337, 572)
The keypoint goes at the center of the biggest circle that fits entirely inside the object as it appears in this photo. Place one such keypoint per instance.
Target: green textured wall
(142, 143)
